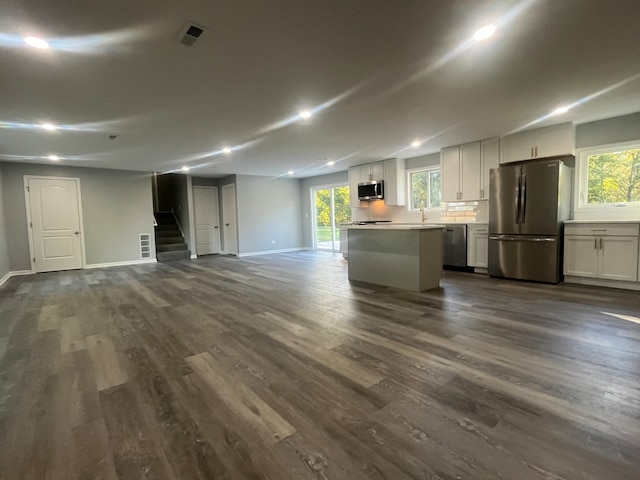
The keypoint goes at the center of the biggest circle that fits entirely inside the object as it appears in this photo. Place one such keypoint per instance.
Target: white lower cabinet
(477, 245)
(602, 251)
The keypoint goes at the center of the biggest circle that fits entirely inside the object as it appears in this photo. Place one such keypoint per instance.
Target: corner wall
(5, 267)
(269, 214)
(116, 207)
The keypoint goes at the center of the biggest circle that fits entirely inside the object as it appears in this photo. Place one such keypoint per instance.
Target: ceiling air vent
(190, 34)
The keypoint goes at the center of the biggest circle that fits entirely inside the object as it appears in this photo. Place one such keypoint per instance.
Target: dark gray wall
(4, 249)
(305, 193)
(625, 128)
(268, 209)
(116, 207)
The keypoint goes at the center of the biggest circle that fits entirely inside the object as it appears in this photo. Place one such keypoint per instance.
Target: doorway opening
(330, 209)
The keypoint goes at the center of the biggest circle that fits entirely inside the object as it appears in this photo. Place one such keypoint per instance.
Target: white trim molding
(602, 282)
(267, 252)
(120, 264)
(16, 273)
(193, 257)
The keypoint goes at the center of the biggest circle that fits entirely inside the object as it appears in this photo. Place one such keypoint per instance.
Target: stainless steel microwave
(371, 190)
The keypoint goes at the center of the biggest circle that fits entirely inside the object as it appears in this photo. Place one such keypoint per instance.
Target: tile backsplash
(451, 212)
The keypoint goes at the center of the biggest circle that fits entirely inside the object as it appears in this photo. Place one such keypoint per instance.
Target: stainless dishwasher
(454, 245)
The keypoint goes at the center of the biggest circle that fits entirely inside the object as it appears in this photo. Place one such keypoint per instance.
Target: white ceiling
(387, 71)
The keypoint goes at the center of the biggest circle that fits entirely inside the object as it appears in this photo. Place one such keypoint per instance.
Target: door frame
(312, 192)
(225, 251)
(217, 231)
(27, 199)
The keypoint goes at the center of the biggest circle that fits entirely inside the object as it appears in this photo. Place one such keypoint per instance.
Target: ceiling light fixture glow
(53, 158)
(484, 33)
(331, 163)
(49, 126)
(185, 169)
(560, 110)
(416, 143)
(36, 42)
(226, 150)
(304, 114)
(291, 172)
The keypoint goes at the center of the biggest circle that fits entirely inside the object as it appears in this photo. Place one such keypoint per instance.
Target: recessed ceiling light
(560, 111)
(305, 114)
(49, 126)
(53, 158)
(226, 150)
(185, 169)
(291, 172)
(331, 163)
(484, 32)
(416, 143)
(36, 42)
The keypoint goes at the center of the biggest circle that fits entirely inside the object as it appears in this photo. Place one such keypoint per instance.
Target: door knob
(226, 224)
(76, 233)
(216, 226)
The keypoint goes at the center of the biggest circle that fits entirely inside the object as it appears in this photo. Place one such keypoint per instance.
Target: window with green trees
(424, 188)
(613, 177)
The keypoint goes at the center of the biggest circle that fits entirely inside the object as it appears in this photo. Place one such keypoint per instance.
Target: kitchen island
(401, 256)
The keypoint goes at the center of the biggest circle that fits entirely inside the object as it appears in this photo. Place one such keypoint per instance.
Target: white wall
(116, 205)
(4, 249)
(269, 215)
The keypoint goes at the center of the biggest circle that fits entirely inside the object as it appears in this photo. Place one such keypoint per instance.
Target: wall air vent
(190, 34)
(145, 245)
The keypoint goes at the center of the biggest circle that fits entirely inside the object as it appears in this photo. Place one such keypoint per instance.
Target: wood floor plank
(72, 338)
(249, 407)
(106, 362)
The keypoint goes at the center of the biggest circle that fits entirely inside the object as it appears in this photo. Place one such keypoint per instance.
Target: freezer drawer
(525, 258)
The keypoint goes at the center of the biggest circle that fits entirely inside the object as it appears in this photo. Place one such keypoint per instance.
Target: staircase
(170, 244)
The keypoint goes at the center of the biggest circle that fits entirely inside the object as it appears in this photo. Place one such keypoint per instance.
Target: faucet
(424, 215)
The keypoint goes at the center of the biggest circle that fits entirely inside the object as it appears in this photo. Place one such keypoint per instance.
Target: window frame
(411, 171)
(585, 211)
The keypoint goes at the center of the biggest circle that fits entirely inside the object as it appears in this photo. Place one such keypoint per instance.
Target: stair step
(175, 255)
(162, 240)
(163, 227)
(171, 247)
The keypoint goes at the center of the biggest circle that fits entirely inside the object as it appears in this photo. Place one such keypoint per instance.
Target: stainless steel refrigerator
(528, 203)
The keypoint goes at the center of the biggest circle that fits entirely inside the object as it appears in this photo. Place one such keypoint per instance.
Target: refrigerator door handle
(523, 202)
(516, 200)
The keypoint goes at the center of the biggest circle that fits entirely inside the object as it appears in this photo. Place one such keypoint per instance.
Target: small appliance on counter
(528, 204)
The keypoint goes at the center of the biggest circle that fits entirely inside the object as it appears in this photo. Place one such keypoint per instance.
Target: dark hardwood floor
(275, 367)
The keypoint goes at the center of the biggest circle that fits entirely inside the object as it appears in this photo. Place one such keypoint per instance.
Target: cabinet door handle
(595, 243)
(531, 152)
(601, 242)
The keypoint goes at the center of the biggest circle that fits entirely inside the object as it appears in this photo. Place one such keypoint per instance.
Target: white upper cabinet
(450, 174)
(465, 170)
(543, 142)
(490, 159)
(394, 182)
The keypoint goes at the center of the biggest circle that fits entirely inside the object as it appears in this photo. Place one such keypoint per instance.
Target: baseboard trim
(599, 282)
(194, 256)
(267, 252)
(120, 264)
(16, 273)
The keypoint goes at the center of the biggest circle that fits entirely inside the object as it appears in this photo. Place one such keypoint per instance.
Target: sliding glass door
(331, 208)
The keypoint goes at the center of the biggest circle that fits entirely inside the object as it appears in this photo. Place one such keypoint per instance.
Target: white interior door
(54, 214)
(230, 227)
(205, 201)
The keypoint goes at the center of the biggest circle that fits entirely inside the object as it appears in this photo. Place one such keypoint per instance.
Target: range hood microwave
(371, 190)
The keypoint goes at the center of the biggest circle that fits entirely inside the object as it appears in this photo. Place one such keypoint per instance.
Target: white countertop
(603, 221)
(396, 226)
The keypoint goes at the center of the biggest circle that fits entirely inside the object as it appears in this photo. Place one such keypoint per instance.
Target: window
(424, 188)
(609, 178)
